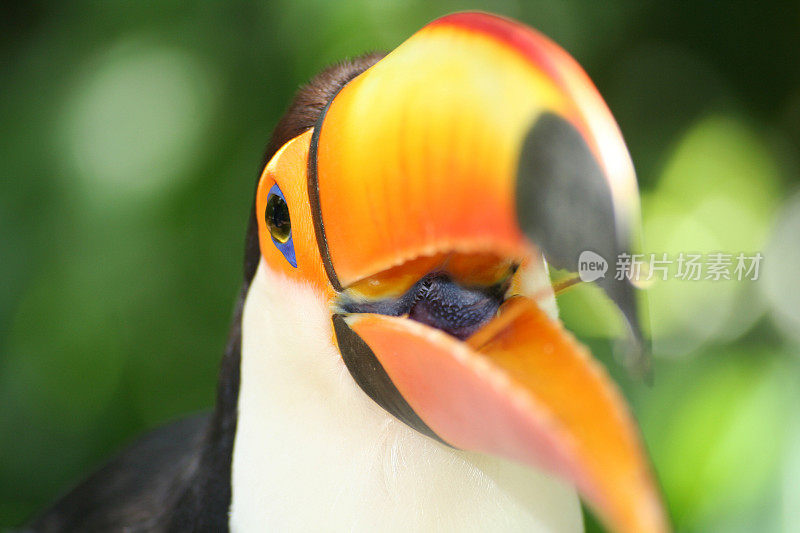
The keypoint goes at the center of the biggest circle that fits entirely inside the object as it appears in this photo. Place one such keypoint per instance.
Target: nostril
(427, 283)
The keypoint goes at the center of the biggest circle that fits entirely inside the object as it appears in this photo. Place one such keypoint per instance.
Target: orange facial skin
(288, 169)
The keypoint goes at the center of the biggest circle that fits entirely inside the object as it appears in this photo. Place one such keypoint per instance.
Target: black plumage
(178, 478)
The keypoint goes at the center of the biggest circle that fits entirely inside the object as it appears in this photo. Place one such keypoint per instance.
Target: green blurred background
(132, 137)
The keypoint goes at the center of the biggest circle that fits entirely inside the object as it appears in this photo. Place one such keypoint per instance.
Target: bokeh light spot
(781, 280)
(717, 194)
(136, 119)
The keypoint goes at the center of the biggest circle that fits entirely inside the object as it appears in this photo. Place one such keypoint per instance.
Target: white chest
(313, 452)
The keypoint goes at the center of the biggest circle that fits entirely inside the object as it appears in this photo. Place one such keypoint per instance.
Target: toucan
(396, 361)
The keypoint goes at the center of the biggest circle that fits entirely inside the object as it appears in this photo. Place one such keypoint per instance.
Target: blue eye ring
(279, 224)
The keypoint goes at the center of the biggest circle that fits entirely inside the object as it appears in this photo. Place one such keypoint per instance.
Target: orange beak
(473, 148)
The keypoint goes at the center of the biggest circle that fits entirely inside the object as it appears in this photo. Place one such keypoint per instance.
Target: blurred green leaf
(717, 193)
(717, 438)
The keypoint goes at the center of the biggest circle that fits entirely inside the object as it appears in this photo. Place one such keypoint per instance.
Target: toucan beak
(475, 144)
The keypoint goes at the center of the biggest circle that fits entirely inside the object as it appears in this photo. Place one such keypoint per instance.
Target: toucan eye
(279, 223)
(280, 227)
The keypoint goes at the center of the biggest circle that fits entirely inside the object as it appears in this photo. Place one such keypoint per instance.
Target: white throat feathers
(313, 452)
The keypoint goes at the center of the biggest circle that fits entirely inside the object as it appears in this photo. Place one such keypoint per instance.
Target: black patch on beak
(564, 205)
(370, 375)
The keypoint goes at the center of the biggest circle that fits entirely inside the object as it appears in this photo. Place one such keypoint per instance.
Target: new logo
(591, 266)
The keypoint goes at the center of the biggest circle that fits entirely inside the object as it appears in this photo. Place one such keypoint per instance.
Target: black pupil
(280, 227)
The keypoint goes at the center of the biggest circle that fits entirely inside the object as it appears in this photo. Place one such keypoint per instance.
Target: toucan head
(423, 206)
